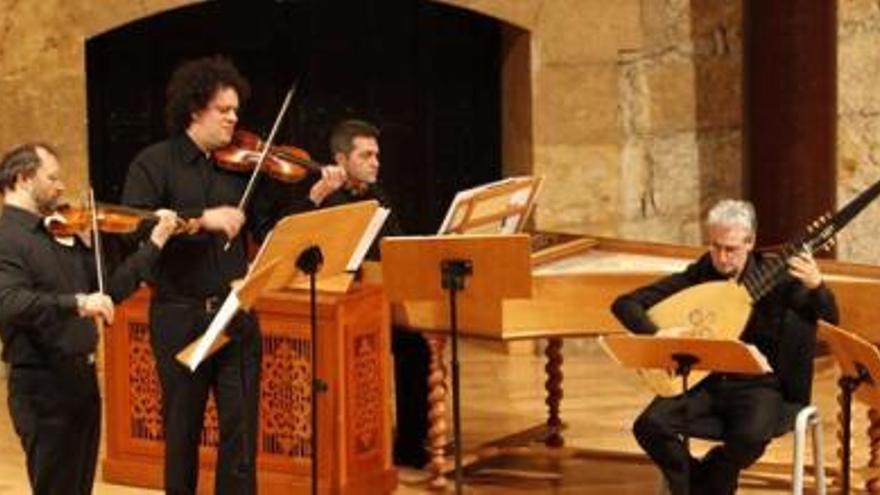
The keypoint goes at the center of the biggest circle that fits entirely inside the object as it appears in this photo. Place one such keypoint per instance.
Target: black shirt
(39, 278)
(781, 325)
(177, 175)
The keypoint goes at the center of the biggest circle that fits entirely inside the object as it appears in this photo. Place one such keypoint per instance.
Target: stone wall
(42, 71)
(680, 118)
(637, 112)
(574, 73)
(858, 124)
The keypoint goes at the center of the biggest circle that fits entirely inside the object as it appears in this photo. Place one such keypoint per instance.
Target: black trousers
(412, 358)
(56, 412)
(184, 396)
(746, 412)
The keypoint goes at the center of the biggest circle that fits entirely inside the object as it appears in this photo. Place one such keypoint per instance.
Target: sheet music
(760, 358)
(367, 238)
(218, 324)
(508, 224)
(519, 198)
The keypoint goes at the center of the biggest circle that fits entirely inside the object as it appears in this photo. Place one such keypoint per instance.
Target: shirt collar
(22, 217)
(189, 151)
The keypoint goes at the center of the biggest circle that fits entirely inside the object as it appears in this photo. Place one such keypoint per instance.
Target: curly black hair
(194, 83)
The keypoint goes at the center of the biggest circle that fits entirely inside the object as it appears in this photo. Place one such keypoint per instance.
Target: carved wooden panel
(354, 453)
(366, 380)
(286, 397)
(143, 382)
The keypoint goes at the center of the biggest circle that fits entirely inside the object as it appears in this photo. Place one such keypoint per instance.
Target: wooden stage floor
(503, 393)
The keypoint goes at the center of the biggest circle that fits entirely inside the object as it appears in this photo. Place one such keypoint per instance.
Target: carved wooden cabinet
(354, 414)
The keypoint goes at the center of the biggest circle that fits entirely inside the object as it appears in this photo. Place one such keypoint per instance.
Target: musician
(354, 146)
(354, 176)
(48, 302)
(194, 273)
(782, 326)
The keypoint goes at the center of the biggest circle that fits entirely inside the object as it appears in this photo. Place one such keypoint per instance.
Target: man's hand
(225, 219)
(167, 225)
(95, 305)
(332, 178)
(804, 268)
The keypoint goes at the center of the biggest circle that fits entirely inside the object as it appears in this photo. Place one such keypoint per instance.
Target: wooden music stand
(683, 355)
(859, 362)
(338, 231)
(487, 268)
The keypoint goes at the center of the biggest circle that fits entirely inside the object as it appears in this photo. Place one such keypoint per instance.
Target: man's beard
(47, 205)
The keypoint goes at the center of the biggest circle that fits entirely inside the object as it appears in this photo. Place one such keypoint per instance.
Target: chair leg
(808, 417)
(818, 454)
(797, 466)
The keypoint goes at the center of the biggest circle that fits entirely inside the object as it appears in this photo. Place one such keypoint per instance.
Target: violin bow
(96, 241)
(265, 152)
(96, 247)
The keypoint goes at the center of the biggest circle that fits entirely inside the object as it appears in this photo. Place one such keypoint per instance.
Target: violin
(283, 162)
(68, 220)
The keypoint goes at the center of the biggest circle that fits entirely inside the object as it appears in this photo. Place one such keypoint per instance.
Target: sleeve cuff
(67, 303)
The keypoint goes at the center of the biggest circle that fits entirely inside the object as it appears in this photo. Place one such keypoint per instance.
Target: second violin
(68, 220)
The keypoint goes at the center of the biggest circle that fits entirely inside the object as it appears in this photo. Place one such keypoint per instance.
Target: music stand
(682, 355)
(475, 268)
(859, 362)
(323, 240)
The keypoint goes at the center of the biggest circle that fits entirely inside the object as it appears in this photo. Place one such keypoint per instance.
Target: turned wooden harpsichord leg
(838, 434)
(553, 386)
(872, 470)
(437, 391)
(872, 479)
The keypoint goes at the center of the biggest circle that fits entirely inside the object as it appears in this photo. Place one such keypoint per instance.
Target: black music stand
(682, 355)
(476, 268)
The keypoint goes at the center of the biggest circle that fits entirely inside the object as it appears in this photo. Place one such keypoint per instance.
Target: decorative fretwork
(211, 428)
(286, 395)
(146, 412)
(146, 393)
(367, 391)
